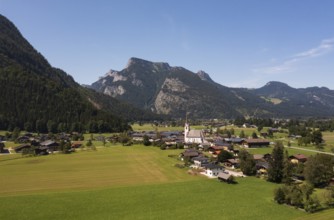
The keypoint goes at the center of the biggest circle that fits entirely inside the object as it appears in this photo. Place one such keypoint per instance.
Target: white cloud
(326, 46)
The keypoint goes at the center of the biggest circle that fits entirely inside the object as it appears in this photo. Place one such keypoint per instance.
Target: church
(193, 136)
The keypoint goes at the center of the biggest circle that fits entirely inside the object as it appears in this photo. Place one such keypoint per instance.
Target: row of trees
(50, 126)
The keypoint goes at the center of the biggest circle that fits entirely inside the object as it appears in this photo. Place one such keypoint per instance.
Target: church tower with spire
(186, 129)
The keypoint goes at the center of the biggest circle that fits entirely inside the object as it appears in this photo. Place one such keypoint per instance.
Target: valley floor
(134, 182)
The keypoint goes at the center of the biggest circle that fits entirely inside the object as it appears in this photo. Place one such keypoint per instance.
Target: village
(202, 148)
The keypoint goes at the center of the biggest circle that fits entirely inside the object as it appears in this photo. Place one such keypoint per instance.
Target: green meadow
(134, 182)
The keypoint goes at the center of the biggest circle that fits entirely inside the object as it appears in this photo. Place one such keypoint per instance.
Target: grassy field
(110, 166)
(134, 182)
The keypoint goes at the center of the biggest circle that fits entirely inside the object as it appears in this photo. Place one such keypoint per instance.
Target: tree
(254, 135)
(287, 169)
(51, 126)
(328, 196)
(276, 165)
(28, 126)
(247, 163)
(316, 137)
(312, 204)
(224, 155)
(242, 134)
(259, 128)
(319, 169)
(16, 133)
(124, 138)
(89, 143)
(146, 140)
(279, 195)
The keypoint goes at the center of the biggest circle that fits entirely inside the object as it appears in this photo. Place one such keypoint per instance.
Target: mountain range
(176, 91)
(38, 97)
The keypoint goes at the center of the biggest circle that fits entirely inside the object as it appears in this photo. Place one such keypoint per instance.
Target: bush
(279, 196)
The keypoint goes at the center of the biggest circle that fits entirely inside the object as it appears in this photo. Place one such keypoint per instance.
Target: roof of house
(234, 140)
(262, 164)
(211, 166)
(200, 158)
(257, 141)
(47, 143)
(217, 147)
(300, 157)
(20, 147)
(258, 156)
(190, 154)
(233, 161)
(223, 175)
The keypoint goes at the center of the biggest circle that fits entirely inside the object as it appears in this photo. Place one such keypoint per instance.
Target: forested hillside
(38, 97)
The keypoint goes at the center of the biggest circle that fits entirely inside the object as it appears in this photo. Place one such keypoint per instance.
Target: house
(238, 141)
(225, 177)
(193, 136)
(76, 144)
(252, 143)
(258, 157)
(298, 158)
(225, 145)
(233, 163)
(262, 167)
(200, 161)
(23, 139)
(190, 153)
(274, 130)
(20, 148)
(51, 145)
(212, 170)
(2, 149)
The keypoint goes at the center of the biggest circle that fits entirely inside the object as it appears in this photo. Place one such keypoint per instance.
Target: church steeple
(186, 129)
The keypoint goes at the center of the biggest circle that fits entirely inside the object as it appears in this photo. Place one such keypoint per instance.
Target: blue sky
(240, 43)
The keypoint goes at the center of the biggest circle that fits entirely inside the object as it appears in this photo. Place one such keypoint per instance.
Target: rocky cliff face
(173, 91)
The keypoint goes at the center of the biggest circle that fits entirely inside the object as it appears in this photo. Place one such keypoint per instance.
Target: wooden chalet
(20, 148)
(298, 158)
(51, 145)
(225, 177)
(262, 167)
(190, 153)
(253, 143)
(233, 163)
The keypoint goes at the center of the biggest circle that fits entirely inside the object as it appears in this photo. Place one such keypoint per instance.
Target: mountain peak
(204, 76)
(133, 61)
(276, 84)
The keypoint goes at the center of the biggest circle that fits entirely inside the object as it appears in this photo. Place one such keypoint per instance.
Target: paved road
(316, 151)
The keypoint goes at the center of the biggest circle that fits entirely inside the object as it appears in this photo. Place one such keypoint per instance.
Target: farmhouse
(238, 141)
(262, 167)
(200, 161)
(233, 163)
(20, 148)
(251, 143)
(298, 158)
(190, 153)
(51, 145)
(212, 170)
(225, 177)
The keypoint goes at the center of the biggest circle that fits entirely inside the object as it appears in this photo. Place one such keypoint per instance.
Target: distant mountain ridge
(175, 90)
